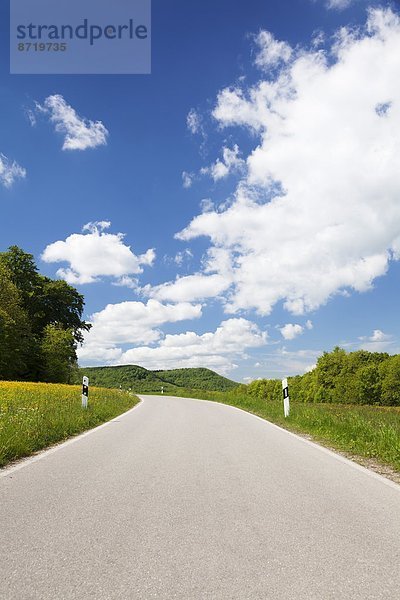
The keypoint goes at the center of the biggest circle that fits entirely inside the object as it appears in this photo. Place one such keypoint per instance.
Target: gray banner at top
(80, 36)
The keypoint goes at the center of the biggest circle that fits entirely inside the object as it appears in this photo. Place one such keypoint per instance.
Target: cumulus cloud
(79, 133)
(271, 52)
(207, 205)
(211, 283)
(96, 254)
(189, 288)
(130, 323)
(318, 213)
(230, 163)
(379, 336)
(291, 331)
(217, 350)
(10, 171)
(377, 342)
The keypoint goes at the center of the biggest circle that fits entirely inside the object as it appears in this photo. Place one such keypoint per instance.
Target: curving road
(193, 500)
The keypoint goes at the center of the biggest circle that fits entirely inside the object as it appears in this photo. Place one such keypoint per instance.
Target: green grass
(366, 431)
(36, 415)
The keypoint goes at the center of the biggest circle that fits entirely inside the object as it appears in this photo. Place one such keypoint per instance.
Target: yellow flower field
(36, 415)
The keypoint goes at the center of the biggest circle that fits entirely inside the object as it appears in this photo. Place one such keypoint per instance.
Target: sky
(236, 209)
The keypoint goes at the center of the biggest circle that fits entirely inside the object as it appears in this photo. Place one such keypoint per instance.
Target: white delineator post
(286, 401)
(162, 390)
(85, 392)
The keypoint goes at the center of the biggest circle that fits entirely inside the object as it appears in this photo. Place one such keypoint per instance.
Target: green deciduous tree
(16, 340)
(266, 389)
(45, 300)
(369, 384)
(59, 354)
(40, 321)
(329, 368)
(390, 377)
(359, 377)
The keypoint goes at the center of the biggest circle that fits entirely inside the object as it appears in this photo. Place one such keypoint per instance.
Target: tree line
(40, 322)
(360, 377)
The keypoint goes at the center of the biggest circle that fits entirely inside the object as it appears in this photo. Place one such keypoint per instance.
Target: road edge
(24, 462)
(335, 454)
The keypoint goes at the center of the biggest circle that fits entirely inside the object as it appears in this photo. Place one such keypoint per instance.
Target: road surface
(194, 500)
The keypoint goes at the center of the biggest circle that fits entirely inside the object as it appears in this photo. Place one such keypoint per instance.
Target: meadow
(36, 415)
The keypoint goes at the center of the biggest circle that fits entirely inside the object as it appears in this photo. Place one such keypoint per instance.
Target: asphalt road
(194, 500)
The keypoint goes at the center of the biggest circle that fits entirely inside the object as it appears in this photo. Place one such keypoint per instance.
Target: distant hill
(197, 379)
(141, 380)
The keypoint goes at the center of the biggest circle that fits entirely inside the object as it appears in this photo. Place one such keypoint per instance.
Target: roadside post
(162, 389)
(286, 401)
(85, 392)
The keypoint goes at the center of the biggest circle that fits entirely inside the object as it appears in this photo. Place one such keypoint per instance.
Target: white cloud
(318, 213)
(271, 52)
(339, 4)
(207, 205)
(283, 363)
(128, 282)
(80, 133)
(10, 171)
(379, 336)
(194, 122)
(189, 288)
(184, 256)
(318, 39)
(231, 162)
(30, 115)
(96, 254)
(377, 342)
(187, 179)
(215, 280)
(96, 226)
(291, 331)
(131, 323)
(217, 350)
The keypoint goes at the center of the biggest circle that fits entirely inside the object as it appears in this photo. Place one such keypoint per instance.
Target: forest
(359, 377)
(144, 381)
(40, 322)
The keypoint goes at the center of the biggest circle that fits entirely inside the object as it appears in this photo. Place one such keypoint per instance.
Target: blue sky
(265, 137)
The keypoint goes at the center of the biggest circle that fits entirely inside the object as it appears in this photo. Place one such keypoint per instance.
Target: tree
(330, 367)
(59, 354)
(390, 373)
(46, 301)
(23, 272)
(16, 341)
(304, 389)
(265, 389)
(37, 316)
(61, 304)
(369, 385)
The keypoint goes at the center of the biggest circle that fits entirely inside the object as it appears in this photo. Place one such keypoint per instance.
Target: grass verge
(366, 431)
(36, 415)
